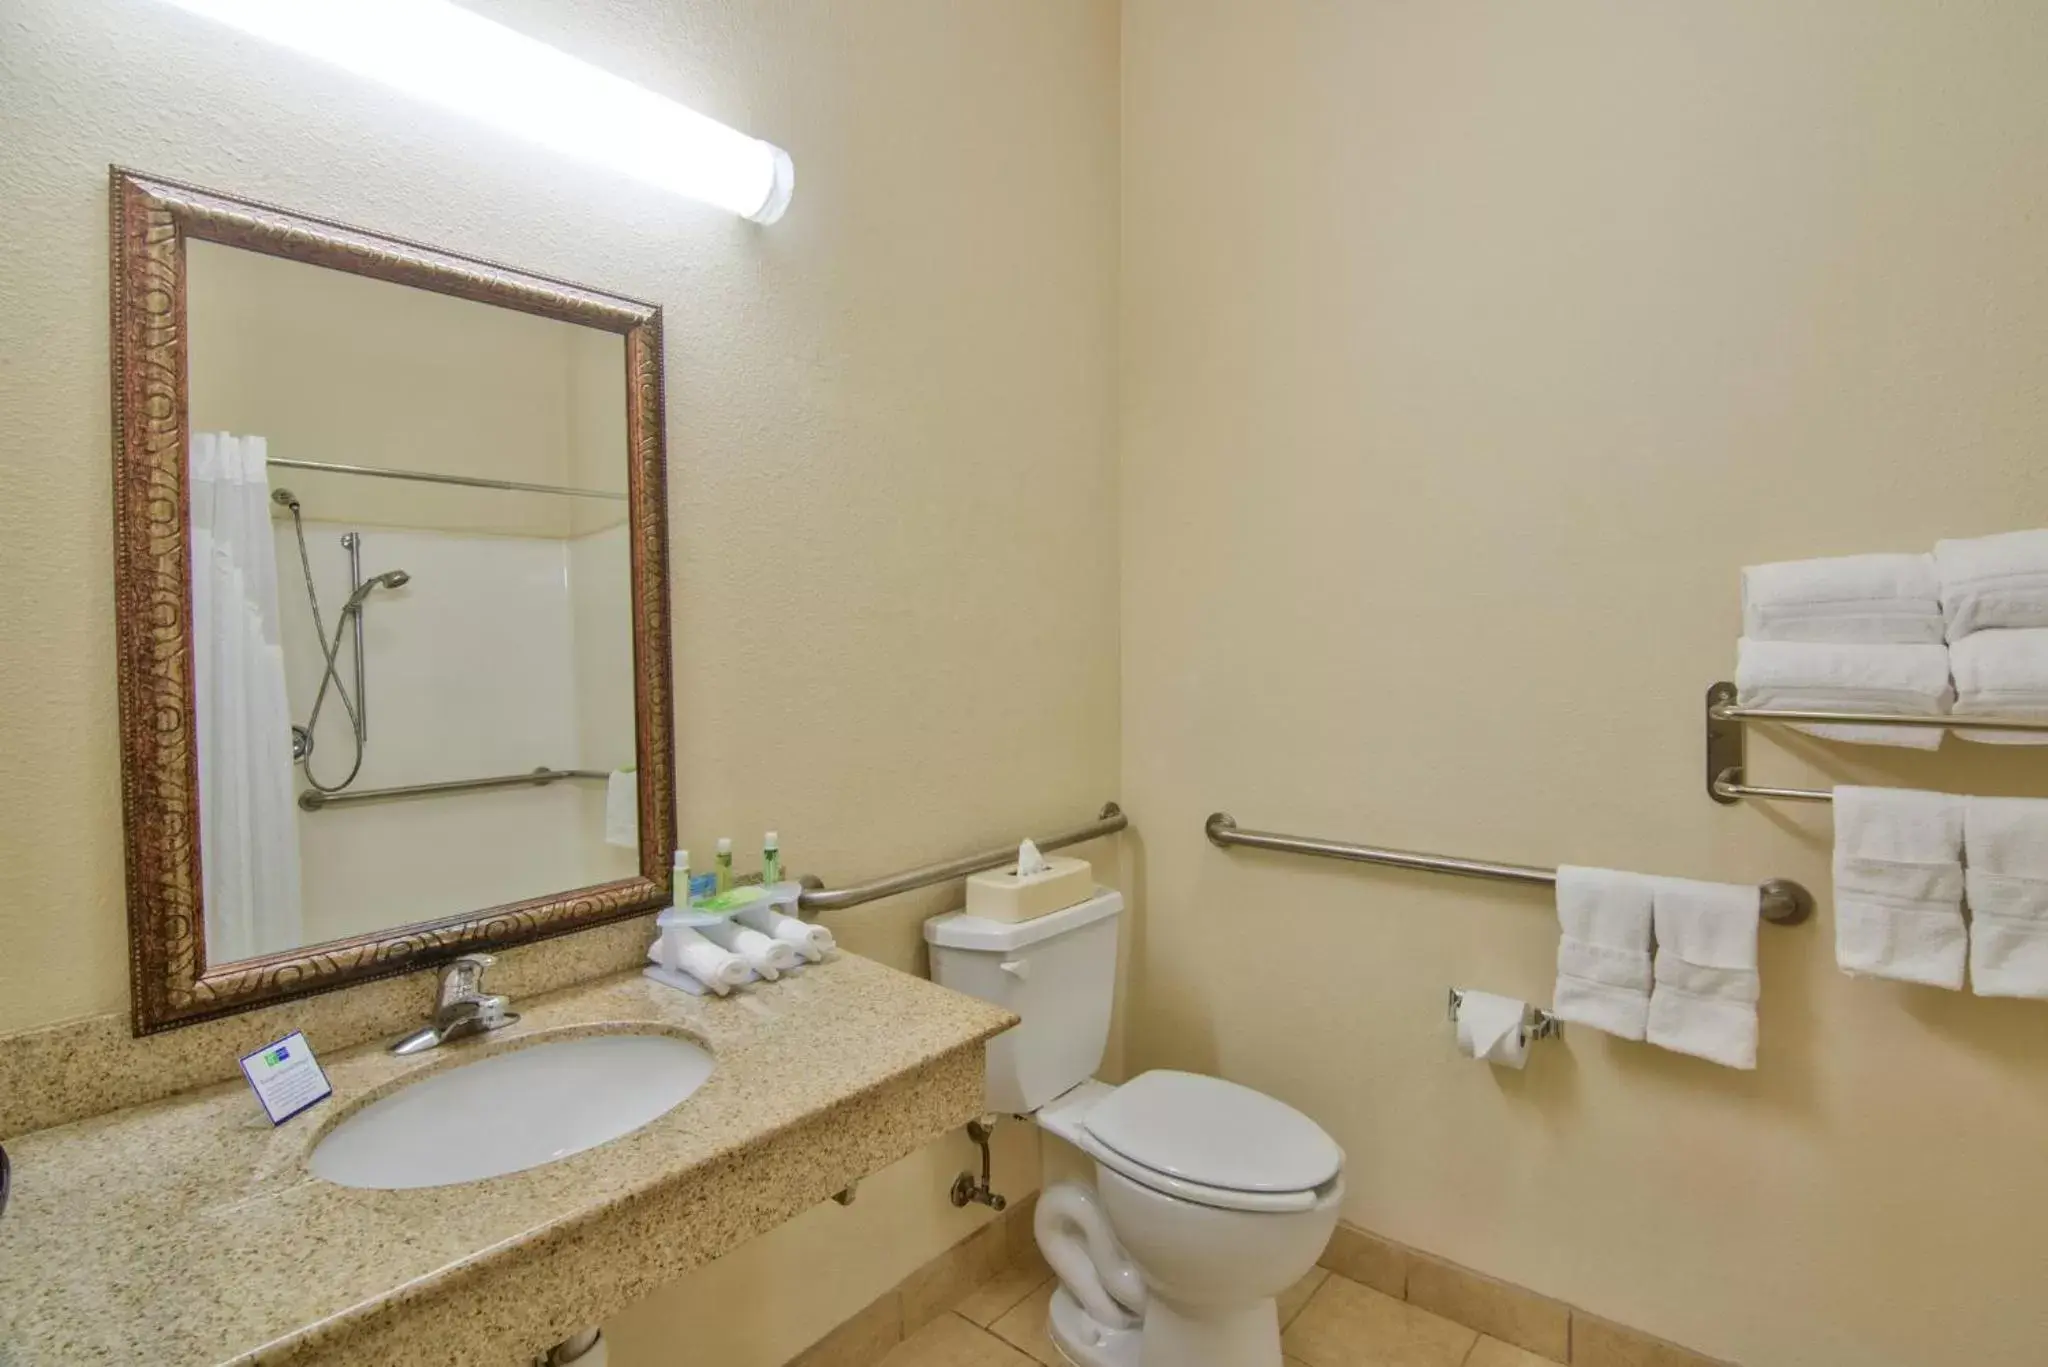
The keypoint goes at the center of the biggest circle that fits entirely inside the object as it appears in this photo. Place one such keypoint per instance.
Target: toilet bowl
(1209, 1199)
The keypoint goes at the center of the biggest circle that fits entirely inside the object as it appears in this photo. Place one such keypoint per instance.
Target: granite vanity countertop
(189, 1231)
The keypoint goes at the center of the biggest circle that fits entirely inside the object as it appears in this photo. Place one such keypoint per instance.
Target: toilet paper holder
(1537, 1023)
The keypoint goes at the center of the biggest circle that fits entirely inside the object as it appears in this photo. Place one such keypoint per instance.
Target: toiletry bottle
(771, 859)
(723, 863)
(679, 886)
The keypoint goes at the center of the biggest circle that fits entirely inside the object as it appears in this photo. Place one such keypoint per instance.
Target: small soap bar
(1000, 895)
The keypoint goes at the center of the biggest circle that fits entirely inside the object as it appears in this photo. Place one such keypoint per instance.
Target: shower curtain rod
(423, 477)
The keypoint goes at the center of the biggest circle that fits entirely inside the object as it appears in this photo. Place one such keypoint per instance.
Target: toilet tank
(1057, 973)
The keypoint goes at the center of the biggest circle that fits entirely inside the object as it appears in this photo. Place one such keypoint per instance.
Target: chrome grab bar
(426, 477)
(1782, 901)
(314, 800)
(817, 897)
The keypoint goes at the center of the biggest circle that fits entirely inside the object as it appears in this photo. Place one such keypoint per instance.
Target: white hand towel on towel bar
(1704, 1002)
(622, 809)
(2006, 844)
(1864, 599)
(2002, 673)
(1899, 885)
(1909, 681)
(1993, 581)
(1603, 954)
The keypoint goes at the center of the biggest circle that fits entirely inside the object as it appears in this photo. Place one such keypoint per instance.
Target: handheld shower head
(285, 498)
(390, 579)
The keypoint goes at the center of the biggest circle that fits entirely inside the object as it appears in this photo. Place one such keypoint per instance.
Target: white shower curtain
(248, 825)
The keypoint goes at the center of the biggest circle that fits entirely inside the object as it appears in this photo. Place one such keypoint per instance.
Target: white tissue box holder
(1001, 895)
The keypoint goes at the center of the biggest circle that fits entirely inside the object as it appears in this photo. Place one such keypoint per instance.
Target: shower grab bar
(1782, 902)
(1727, 741)
(313, 800)
(817, 897)
(424, 477)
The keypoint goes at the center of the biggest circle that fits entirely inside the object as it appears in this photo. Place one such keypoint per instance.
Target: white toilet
(1210, 1198)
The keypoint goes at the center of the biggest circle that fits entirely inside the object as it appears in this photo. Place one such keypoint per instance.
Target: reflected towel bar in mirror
(424, 477)
(314, 800)
(1782, 901)
(1727, 748)
(817, 897)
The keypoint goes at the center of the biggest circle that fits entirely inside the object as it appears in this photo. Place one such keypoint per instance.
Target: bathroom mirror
(391, 564)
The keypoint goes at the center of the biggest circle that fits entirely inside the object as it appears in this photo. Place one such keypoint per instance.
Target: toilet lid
(1214, 1134)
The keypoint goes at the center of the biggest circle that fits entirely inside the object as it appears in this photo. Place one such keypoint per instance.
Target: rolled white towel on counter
(1603, 950)
(1704, 1002)
(2006, 844)
(682, 950)
(1993, 581)
(1899, 885)
(2002, 673)
(1864, 599)
(768, 957)
(812, 942)
(1901, 680)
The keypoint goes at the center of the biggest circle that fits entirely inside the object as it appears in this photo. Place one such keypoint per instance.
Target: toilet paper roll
(1490, 1028)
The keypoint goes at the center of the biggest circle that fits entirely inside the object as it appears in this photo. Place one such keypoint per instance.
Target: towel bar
(1727, 748)
(1782, 901)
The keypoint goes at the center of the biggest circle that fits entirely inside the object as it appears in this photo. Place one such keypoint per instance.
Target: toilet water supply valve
(969, 1190)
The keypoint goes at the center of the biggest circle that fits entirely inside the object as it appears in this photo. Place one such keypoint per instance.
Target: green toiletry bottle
(723, 863)
(771, 859)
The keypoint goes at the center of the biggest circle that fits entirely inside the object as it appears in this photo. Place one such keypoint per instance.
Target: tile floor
(1326, 1321)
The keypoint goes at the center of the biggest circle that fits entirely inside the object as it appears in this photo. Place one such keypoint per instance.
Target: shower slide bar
(1726, 747)
(1783, 902)
(423, 477)
(313, 800)
(817, 897)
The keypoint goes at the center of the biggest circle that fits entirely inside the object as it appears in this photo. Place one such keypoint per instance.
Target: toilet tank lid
(961, 931)
(1215, 1133)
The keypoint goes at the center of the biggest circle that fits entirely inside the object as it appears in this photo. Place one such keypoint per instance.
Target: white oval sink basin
(512, 1111)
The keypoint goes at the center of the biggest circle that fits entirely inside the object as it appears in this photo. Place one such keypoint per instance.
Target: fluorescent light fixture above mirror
(465, 63)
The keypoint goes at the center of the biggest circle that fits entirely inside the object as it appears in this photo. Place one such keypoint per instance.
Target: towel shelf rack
(1783, 902)
(1727, 748)
(313, 800)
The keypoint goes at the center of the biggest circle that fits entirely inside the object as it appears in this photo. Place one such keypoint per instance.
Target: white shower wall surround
(502, 654)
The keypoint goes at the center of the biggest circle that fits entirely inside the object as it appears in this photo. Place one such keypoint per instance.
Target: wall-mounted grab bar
(817, 897)
(1783, 902)
(314, 800)
(1727, 744)
(426, 477)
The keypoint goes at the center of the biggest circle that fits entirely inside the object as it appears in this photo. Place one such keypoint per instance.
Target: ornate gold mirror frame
(171, 981)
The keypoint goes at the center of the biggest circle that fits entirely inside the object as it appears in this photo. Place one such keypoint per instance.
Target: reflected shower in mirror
(413, 651)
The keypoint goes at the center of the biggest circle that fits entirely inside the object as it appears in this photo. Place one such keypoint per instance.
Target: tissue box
(1000, 895)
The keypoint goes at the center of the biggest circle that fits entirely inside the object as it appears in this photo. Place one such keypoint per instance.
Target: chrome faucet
(461, 1007)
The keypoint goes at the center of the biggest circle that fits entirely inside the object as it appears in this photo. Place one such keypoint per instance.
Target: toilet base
(1085, 1341)
(1244, 1336)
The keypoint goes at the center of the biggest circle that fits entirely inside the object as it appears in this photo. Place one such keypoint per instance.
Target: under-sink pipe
(585, 1347)
(1075, 1237)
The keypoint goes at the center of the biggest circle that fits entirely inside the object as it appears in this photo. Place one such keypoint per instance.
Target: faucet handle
(464, 977)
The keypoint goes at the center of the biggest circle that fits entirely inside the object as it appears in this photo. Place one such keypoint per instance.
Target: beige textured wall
(1469, 350)
(891, 428)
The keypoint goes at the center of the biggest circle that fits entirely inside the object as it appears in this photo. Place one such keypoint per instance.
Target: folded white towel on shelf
(1993, 581)
(1902, 680)
(2002, 673)
(1863, 599)
(1603, 954)
(1899, 885)
(622, 809)
(1704, 1002)
(2006, 842)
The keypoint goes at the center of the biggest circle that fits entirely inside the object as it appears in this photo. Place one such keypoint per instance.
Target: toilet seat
(1212, 1142)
